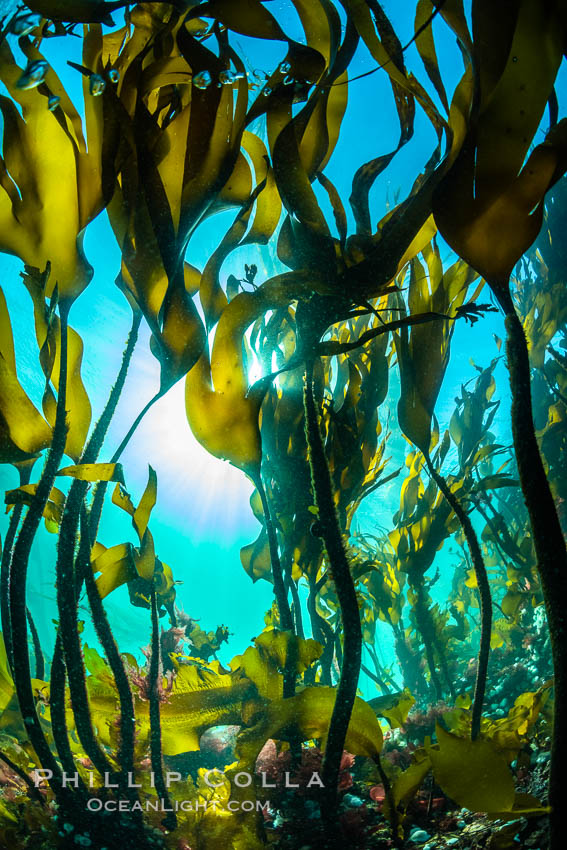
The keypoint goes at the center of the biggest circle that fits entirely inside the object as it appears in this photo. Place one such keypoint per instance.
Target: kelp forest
(406, 685)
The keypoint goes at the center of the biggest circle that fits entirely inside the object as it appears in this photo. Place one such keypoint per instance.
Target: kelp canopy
(316, 368)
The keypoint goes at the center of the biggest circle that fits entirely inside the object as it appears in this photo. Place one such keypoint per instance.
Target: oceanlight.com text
(161, 805)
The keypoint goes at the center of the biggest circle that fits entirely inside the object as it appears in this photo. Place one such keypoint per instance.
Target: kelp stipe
(330, 532)
(484, 594)
(549, 541)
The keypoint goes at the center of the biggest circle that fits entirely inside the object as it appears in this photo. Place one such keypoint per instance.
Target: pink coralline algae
(276, 765)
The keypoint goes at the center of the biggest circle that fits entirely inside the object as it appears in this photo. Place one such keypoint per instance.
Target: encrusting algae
(319, 374)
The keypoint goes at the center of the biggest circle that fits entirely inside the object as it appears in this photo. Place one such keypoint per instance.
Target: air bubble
(202, 80)
(226, 78)
(96, 85)
(24, 24)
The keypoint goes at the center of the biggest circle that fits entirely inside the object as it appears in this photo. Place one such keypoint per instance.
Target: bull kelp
(283, 353)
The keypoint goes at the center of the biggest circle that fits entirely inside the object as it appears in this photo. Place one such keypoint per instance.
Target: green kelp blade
(48, 335)
(394, 707)
(274, 652)
(406, 784)
(307, 715)
(116, 566)
(94, 472)
(23, 431)
(490, 189)
(53, 510)
(255, 558)
(486, 785)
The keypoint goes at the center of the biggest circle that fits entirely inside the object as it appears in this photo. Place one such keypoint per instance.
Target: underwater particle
(287, 81)
(202, 80)
(267, 91)
(53, 102)
(24, 24)
(114, 75)
(226, 78)
(96, 85)
(222, 27)
(285, 68)
(34, 74)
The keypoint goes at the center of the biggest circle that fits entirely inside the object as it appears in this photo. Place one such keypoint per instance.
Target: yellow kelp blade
(487, 784)
(48, 335)
(43, 218)
(146, 504)
(121, 497)
(6, 681)
(394, 707)
(116, 567)
(423, 352)
(200, 698)
(406, 784)
(144, 557)
(174, 171)
(212, 825)
(307, 715)
(255, 558)
(140, 514)
(23, 431)
(488, 207)
(221, 412)
(285, 649)
(53, 510)
(94, 472)
(274, 652)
